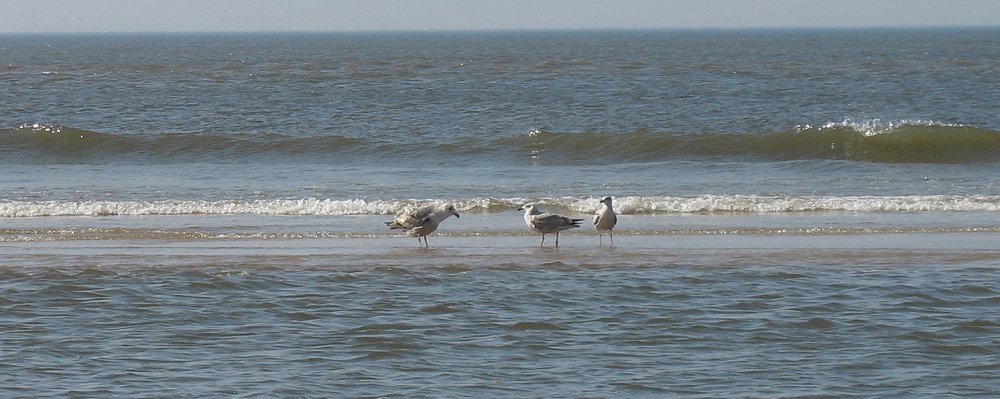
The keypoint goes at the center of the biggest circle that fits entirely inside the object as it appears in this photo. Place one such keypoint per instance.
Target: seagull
(546, 223)
(423, 221)
(605, 219)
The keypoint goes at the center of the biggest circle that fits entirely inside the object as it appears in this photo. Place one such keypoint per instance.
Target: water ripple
(543, 330)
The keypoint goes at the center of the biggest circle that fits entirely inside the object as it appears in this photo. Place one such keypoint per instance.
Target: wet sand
(352, 242)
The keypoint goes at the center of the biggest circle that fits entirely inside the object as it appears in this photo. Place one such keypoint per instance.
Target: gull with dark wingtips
(547, 223)
(422, 221)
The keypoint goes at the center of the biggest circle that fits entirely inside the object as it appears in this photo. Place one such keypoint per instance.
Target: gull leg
(557, 238)
(600, 237)
(612, 235)
(543, 240)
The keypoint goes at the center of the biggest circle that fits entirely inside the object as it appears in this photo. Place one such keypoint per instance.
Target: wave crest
(869, 141)
(865, 141)
(73, 144)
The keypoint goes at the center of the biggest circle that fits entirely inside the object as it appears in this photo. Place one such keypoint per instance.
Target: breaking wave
(739, 204)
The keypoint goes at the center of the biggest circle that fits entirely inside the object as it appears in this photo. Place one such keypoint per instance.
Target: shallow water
(472, 317)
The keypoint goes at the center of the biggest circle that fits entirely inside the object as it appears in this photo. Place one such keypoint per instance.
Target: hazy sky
(379, 15)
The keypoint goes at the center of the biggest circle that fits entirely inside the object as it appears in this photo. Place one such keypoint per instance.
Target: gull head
(530, 209)
(450, 210)
(606, 200)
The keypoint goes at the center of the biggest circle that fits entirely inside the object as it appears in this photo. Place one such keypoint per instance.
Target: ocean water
(802, 214)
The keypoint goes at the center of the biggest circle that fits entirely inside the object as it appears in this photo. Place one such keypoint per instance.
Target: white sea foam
(582, 205)
(39, 128)
(785, 204)
(872, 127)
(305, 206)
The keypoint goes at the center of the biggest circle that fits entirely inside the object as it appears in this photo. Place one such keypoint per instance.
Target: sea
(802, 214)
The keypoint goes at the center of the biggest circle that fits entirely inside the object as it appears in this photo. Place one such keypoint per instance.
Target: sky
(93, 16)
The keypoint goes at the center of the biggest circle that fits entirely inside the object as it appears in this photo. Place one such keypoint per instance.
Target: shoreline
(630, 251)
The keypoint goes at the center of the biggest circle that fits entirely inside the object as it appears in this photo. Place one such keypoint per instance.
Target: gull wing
(411, 218)
(552, 222)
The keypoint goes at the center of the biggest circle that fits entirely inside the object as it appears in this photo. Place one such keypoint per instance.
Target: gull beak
(457, 215)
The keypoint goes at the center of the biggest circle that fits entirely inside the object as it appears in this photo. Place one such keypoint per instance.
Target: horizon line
(524, 30)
